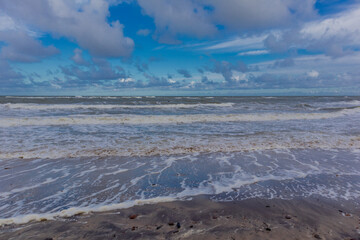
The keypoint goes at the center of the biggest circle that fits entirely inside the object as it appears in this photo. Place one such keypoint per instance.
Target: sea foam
(171, 119)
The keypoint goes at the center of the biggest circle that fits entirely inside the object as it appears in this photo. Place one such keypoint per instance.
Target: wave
(187, 145)
(223, 185)
(354, 103)
(21, 219)
(170, 119)
(107, 106)
(62, 97)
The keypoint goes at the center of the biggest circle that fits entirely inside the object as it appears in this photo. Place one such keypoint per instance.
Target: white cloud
(255, 15)
(20, 47)
(82, 21)
(313, 74)
(238, 44)
(254, 52)
(143, 32)
(126, 80)
(344, 25)
(174, 18)
(200, 18)
(6, 23)
(240, 77)
(337, 35)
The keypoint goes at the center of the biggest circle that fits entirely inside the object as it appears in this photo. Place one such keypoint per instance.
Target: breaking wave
(107, 106)
(170, 119)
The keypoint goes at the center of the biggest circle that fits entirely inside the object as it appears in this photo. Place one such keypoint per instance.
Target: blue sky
(188, 47)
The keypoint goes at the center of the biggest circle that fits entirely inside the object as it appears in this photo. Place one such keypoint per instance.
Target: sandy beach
(201, 218)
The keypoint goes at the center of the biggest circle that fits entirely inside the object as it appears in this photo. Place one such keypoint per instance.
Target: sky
(179, 47)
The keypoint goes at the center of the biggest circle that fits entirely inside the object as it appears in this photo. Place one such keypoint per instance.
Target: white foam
(351, 103)
(21, 219)
(169, 119)
(21, 189)
(30, 106)
(187, 192)
(187, 145)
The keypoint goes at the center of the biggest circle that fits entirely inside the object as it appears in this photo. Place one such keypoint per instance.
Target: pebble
(178, 225)
(268, 229)
(317, 236)
(133, 216)
(171, 224)
(288, 217)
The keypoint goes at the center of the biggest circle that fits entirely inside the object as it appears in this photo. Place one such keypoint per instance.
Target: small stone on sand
(317, 236)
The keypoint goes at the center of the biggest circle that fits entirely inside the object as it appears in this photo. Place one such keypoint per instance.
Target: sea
(62, 156)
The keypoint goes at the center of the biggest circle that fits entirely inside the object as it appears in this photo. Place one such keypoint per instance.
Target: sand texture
(201, 218)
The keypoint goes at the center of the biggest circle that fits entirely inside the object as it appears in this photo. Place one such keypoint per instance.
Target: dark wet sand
(201, 218)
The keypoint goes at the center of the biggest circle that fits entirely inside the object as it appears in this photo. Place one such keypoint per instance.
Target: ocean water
(61, 156)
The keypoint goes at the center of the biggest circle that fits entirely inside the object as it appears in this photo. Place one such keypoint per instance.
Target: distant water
(63, 155)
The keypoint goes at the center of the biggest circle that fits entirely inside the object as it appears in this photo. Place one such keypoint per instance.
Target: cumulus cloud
(173, 18)
(82, 21)
(158, 81)
(19, 44)
(99, 70)
(344, 25)
(201, 18)
(185, 73)
(337, 35)
(287, 81)
(226, 69)
(22, 48)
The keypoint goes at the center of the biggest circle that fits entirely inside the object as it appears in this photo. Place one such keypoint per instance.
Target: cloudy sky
(179, 47)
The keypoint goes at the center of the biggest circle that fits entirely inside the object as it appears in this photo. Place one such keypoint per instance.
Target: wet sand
(202, 218)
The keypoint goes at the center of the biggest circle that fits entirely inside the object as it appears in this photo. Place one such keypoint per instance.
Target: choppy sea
(61, 156)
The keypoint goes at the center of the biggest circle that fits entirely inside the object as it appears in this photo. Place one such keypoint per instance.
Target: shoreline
(201, 218)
